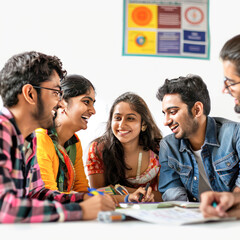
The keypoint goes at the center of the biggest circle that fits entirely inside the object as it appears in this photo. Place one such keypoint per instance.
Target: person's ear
(198, 109)
(63, 106)
(144, 127)
(29, 93)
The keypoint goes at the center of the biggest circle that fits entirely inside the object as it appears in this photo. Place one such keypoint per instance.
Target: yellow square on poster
(142, 42)
(142, 16)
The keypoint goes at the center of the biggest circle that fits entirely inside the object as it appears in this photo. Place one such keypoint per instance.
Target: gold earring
(144, 127)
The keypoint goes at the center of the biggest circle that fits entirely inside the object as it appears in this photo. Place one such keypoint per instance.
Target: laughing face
(126, 123)
(232, 83)
(177, 117)
(78, 110)
(48, 102)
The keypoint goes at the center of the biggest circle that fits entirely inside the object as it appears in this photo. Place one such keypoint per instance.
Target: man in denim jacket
(203, 152)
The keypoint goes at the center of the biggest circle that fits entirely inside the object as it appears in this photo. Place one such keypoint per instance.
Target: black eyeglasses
(57, 92)
(228, 83)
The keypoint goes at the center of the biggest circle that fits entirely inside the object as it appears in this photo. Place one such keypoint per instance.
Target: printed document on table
(173, 215)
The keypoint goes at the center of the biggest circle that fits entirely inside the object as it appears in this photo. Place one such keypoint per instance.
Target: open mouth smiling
(85, 118)
(54, 113)
(123, 132)
(173, 127)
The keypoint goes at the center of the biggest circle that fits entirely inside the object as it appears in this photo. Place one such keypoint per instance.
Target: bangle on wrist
(126, 198)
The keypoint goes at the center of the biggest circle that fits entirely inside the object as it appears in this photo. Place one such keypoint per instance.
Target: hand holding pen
(216, 204)
(142, 195)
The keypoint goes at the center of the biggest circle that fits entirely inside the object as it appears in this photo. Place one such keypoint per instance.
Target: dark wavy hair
(231, 51)
(112, 149)
(191, 90)
(26, 68)
(72, 86)
(75, 85)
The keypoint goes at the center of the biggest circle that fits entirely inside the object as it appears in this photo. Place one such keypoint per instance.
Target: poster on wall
(164, 28)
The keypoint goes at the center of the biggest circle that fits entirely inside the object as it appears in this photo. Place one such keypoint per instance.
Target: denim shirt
(179, 175)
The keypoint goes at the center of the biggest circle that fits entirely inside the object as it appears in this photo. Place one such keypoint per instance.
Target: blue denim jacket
(179, 173)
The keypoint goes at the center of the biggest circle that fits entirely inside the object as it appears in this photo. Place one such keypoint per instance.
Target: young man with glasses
(227, 204)
(30, 91)
(203, 152)
(230, 56)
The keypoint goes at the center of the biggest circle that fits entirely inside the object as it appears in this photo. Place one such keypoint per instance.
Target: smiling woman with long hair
(127, 153)
(59, 150)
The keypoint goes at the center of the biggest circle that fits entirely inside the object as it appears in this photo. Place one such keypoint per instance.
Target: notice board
(162, 28)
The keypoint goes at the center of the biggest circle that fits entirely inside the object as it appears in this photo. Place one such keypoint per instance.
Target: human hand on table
(224, 201)
(92, 205)
(148, 196)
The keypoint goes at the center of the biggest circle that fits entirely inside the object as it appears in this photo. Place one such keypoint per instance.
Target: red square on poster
(169, 17)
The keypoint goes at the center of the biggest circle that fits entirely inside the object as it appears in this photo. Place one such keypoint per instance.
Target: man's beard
(237, 108)
(45, 121)
(192, 129)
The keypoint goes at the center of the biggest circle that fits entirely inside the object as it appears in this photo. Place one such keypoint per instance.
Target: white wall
(87, 36)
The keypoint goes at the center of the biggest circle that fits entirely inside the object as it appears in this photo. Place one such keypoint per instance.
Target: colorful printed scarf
(66, 173)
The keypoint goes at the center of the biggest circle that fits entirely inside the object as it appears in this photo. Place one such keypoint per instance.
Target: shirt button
(195, 178)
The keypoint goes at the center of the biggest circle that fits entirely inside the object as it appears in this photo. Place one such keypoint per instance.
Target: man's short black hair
(26, 68)
(191, 89)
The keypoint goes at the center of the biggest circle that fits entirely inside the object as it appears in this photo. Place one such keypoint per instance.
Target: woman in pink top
(127, 153)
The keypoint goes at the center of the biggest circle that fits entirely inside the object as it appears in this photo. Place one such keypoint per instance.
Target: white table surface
(119, 230)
